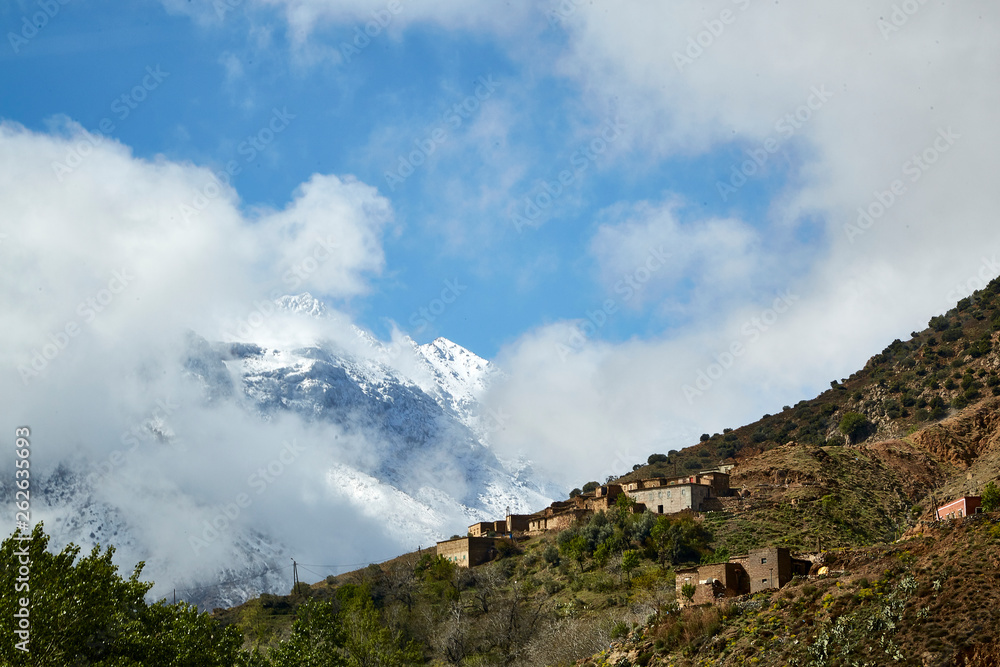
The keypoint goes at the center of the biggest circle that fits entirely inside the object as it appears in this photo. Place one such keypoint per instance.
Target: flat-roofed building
(960, 507)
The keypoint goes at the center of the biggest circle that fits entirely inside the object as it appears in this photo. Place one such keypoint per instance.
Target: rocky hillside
(923, 601)
(908, 386)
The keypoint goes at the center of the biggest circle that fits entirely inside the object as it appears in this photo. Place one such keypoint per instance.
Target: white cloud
(879, 97)
(889, 99)
(644, 252)
(102, 280)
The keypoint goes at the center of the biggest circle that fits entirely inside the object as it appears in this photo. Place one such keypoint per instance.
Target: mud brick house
(960, 507)
(553, 518)
(517, 523)
(668, 496)
(482, 529)
(772, 567)
(468, 551)
(722, 580)
(760, 570)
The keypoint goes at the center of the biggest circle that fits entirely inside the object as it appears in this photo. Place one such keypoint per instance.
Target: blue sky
(714, 157)
(219, 87)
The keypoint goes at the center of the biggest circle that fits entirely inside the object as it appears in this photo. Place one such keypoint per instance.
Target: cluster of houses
(759, 570)
(659, 495)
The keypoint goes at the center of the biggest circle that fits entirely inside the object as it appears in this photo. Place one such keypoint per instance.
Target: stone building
(691, 492)
(517, 523)
(772, 567)
(960, 507)
(468, 551)
(759, 570)
(556, 519)
(711, 582)
(668, 499)
(482, 528)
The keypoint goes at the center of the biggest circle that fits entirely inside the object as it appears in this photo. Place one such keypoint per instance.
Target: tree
(317, 638)
(590, 486)
(991, 497)
(630, 561)
(253, 623)
(680, 540)
(853, 425)
(575, 492)
(82, 612)
(575, 549)
(601, 554)
(367, 641)
(656, 458)
(687, 590)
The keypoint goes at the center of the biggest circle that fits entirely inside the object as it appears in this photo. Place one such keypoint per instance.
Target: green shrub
(853, 425)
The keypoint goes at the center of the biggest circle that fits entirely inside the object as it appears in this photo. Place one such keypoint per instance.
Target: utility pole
(295, 577)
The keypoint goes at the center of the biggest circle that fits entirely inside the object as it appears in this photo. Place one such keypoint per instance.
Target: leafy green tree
(367, 641)
(575, 549)
(657, 458)
(678, 540)
(601, 554)
(317, 638)
(853, 425)
(630, 561)
(254, 625)
(82, 612)
(687, 591)
(991, 497)
(590, 486)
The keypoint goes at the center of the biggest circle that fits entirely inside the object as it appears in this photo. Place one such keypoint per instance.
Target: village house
(468, 551)
(960, 507)
(658, 494)
(759, 570)
(514, 523)
(668, 496)
(482, 529)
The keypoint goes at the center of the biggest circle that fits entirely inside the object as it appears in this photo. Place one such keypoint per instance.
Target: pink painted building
(959, 507)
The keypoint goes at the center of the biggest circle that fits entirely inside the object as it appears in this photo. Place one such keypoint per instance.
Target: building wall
(517, 522)
(718, 481)
(956, 509)
(769, 568)
(713, 582)
(468, 551)
(673, 498)
(480, 529)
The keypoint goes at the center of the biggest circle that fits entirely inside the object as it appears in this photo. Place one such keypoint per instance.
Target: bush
(951, 335)
(939, 323)
(551, 555)
(854, 425)
(84, 613)
(991, 497)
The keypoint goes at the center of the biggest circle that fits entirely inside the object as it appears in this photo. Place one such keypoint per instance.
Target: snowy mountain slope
(396, 458)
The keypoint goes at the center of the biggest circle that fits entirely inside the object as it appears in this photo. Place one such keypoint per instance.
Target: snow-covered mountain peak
(304, 303)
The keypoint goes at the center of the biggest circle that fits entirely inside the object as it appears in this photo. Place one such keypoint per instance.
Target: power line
(235, 581)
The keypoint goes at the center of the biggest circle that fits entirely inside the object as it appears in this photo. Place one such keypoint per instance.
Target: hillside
(918, 602)
(849, 479)
(927, 429)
